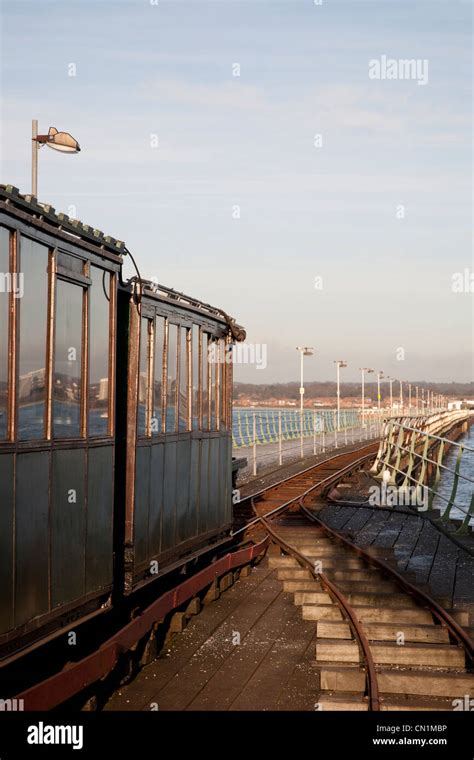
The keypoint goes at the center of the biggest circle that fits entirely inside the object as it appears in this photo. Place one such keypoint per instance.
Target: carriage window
(171, 378)
(5, 288)
(195, 376)
(157, 400)
(183, 380)
(214, 365)
(205, 370)
(99, 331)
(67, 377)
(32, 350)
(72, 263)
(144, 376)
(222, 384)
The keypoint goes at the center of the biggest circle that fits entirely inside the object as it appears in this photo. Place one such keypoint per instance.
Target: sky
(245, 155)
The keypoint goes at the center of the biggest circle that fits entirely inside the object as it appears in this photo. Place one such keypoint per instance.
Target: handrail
(416, 441)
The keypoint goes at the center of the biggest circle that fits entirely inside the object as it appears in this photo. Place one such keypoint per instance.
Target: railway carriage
(178, 442)
(115, 442)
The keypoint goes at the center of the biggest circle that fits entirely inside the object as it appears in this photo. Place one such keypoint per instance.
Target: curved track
(382, 643)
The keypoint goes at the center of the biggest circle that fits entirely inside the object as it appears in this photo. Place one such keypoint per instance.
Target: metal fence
(267, 434)
(263, 426)
(412, 455)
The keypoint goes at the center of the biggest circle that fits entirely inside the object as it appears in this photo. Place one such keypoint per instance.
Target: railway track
(382, 643)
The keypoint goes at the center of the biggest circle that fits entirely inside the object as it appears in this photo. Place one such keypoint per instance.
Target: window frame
(110, 263)
(199, 398)
(11, 335)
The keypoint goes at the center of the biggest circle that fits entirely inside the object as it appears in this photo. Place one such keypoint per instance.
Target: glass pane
(205, 382)
(171, 382)
(214, 364)
(5, 289)
(71, 262)
(183, 381)
(143, 379)
(157, 406)
(222, 384)
(195, 376)
(32, 350)
(67, 361)
(99, 331)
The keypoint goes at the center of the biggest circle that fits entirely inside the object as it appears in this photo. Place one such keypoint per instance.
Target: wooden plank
(391, 530)
(372, 528)
(143, 689)
(360, 517)
(422, 557)
(443, 570)
(407, 540)
(288, 638)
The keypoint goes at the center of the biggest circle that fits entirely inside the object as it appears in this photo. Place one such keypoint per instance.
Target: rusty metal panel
(168, 530)
(99, 517)
(228, 479)
(156, 499)
(194, 489)
(31, 536)
(142, 499)
(6, 542)
(183, 463)
(213, 513)
(225, 472)
(68, 526)
(204, 486)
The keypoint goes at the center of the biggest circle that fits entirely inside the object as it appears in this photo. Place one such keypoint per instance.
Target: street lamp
(60, 141)
(304, 351)
(390, 379)
(339, 364)
(368, 370)
(409, 398)
(401, 396)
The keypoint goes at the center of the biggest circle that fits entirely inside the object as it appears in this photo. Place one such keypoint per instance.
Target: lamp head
(61, 141)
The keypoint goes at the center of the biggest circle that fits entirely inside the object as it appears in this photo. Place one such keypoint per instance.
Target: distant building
(30, 382)
(103, 389)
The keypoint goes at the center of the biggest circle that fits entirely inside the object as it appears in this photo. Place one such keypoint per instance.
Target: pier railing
(411, 459)
(268, 435)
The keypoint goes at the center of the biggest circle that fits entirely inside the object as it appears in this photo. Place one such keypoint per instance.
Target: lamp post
(304, 351)
(416, 397)
(390, 380)
(379, 377)
(363, 370)
(60, 141)
(401, 396)
(339, 364)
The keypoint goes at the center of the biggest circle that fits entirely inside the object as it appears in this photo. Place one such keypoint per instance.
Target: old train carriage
(115, 444)
(177, 468)
(57, 408)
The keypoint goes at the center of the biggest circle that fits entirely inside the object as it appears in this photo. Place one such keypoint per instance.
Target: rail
(422, 598)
